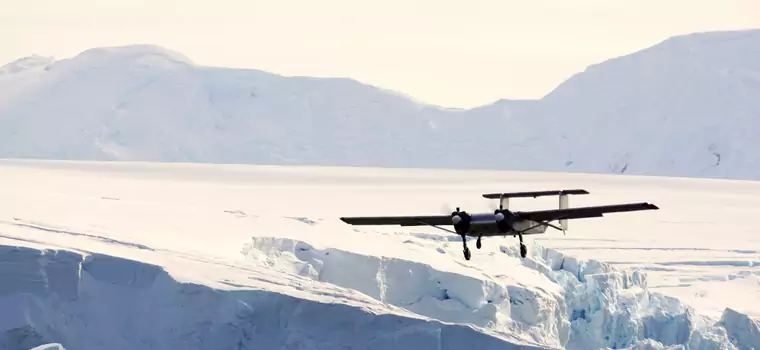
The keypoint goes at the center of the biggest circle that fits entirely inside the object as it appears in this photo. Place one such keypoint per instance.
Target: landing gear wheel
(477, 243)
(523, 250)
(466, 253)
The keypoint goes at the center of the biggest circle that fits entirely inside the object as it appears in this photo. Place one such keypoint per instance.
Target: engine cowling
(461, 221)
(502, 223)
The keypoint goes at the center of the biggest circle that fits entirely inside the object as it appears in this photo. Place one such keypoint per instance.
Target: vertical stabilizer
(504, 202)
(563, 204)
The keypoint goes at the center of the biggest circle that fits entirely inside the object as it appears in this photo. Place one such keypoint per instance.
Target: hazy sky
(456, 53)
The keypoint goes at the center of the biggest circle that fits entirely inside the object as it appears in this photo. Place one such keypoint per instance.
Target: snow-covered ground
(137, 255)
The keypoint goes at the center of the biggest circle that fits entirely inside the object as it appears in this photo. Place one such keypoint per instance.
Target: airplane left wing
(583, 212)
(424, 220)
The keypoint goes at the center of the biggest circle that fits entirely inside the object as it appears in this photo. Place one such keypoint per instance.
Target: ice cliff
(66, 299)
(595, 306)
(58, 298)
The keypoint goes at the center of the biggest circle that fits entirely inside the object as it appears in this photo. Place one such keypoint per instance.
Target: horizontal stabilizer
(533, 194)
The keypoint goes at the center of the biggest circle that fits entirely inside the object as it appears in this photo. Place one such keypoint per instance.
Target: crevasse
(600, 307)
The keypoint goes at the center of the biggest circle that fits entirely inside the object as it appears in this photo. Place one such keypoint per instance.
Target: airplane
(502, 221)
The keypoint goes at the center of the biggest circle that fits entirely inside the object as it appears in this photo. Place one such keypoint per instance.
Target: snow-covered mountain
(683, 107)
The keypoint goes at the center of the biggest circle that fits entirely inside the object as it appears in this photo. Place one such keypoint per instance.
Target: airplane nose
(456, 219)
(499, 216)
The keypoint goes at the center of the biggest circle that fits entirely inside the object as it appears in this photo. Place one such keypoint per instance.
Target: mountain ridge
(664, 111)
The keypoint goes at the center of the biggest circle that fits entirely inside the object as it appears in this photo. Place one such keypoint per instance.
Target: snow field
(198, 242)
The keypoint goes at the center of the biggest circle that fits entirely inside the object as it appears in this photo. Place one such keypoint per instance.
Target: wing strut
(436, 226)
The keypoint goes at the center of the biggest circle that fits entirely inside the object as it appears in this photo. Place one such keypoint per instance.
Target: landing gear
(466, 250)
(461, 221)
(523, 248)
(477, 244)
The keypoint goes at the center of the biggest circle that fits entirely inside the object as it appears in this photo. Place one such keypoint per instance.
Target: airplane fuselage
(485, 225)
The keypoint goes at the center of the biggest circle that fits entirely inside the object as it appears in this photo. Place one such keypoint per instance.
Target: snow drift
(684, 107)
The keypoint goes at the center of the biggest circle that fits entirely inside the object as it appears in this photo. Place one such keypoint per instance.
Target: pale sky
(453, 53)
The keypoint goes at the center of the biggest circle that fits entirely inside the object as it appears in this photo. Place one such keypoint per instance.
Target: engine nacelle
(461, 221)
(503, 222)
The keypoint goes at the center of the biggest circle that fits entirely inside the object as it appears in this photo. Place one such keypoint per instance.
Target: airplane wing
(583, 212)
(424, 220)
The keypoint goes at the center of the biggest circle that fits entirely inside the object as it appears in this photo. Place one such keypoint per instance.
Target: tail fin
(564, 203)
(504, 197)
(504, 202)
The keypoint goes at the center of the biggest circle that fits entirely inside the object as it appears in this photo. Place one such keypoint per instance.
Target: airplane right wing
(583, 212)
